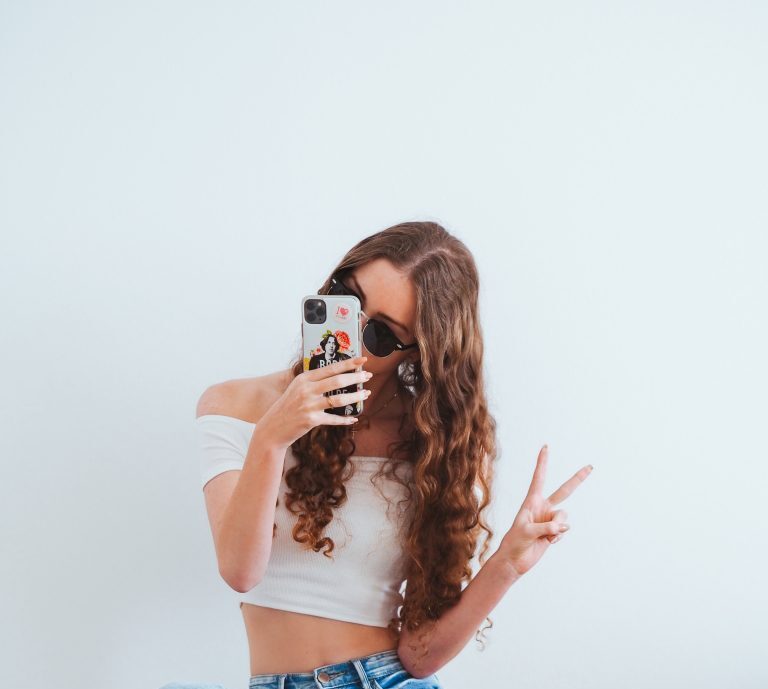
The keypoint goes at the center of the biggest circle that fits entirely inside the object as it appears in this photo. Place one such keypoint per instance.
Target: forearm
(244, 541)
(458, 624)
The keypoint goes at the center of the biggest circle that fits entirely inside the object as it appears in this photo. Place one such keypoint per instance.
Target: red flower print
(343, 339)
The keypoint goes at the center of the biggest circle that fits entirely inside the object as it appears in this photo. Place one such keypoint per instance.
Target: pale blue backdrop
(167, 169)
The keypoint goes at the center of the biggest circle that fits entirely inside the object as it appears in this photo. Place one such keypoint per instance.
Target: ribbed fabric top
(362, 583)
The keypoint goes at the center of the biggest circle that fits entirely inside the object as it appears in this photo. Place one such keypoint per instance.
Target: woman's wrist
(505, 565)
(264, 437)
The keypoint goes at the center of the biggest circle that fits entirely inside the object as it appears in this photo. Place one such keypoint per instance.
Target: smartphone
(330, 332)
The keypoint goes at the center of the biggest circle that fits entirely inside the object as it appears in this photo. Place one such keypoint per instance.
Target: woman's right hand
(301, 406)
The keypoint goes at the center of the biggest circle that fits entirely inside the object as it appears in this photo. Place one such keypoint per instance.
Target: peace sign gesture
(537, 524)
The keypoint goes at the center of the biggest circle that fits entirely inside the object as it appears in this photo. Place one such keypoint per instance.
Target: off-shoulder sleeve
(222, 446)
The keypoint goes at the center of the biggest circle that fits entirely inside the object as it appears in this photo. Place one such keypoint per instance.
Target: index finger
(539, 473)
(570, 485)
(335, 367)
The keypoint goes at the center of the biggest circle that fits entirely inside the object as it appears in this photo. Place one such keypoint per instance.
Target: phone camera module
(314, 311)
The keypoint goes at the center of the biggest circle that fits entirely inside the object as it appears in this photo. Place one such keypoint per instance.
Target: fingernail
(564, 527)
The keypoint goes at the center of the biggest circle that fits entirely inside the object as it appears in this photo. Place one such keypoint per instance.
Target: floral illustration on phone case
(333, 347)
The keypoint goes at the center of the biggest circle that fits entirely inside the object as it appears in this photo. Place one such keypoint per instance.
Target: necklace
(368, 416)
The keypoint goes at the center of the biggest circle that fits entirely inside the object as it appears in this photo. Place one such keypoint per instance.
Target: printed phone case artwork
(337, 338)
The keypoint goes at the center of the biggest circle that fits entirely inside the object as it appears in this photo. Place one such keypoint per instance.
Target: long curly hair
(452, 446)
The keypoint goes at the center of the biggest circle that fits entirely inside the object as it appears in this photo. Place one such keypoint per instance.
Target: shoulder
(244, 398)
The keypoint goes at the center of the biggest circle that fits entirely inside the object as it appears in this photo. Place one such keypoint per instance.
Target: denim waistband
(341, 674)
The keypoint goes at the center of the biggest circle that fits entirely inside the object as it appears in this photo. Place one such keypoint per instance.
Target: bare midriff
(282, 641)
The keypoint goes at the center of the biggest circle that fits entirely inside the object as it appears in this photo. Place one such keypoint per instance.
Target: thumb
(552, 528)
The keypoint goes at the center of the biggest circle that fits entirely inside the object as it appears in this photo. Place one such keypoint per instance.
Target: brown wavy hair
(452, 445)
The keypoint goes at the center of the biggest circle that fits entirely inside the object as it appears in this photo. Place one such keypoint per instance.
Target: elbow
(240, 588)
(239, 577)
(421, 673)
(238, 582)
(418, 674)
(240, 585)
(418, 671)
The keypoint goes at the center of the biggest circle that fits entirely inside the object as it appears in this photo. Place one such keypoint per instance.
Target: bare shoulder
(244, 398)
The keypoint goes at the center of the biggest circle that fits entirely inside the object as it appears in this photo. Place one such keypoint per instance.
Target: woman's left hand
(537, 524)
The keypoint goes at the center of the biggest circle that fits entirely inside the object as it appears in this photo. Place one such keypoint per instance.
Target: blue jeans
(381, 670)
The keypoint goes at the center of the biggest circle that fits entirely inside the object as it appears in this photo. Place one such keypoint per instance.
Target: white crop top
(363, 582)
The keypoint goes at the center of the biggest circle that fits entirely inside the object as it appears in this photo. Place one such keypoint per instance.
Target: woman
(301, 502)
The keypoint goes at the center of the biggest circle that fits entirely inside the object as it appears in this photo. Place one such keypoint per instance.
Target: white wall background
(168, 168)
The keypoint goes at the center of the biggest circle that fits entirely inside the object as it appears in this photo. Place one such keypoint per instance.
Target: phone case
(337, 337)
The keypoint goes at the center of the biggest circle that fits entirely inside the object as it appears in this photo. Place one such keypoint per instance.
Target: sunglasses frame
(336, 283)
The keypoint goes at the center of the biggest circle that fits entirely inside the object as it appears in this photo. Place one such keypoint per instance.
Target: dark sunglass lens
(378, 338)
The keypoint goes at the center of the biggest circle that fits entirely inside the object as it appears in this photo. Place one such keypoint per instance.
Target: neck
(382, 391)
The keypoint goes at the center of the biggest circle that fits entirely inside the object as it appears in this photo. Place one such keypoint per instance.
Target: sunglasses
(378, 338)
